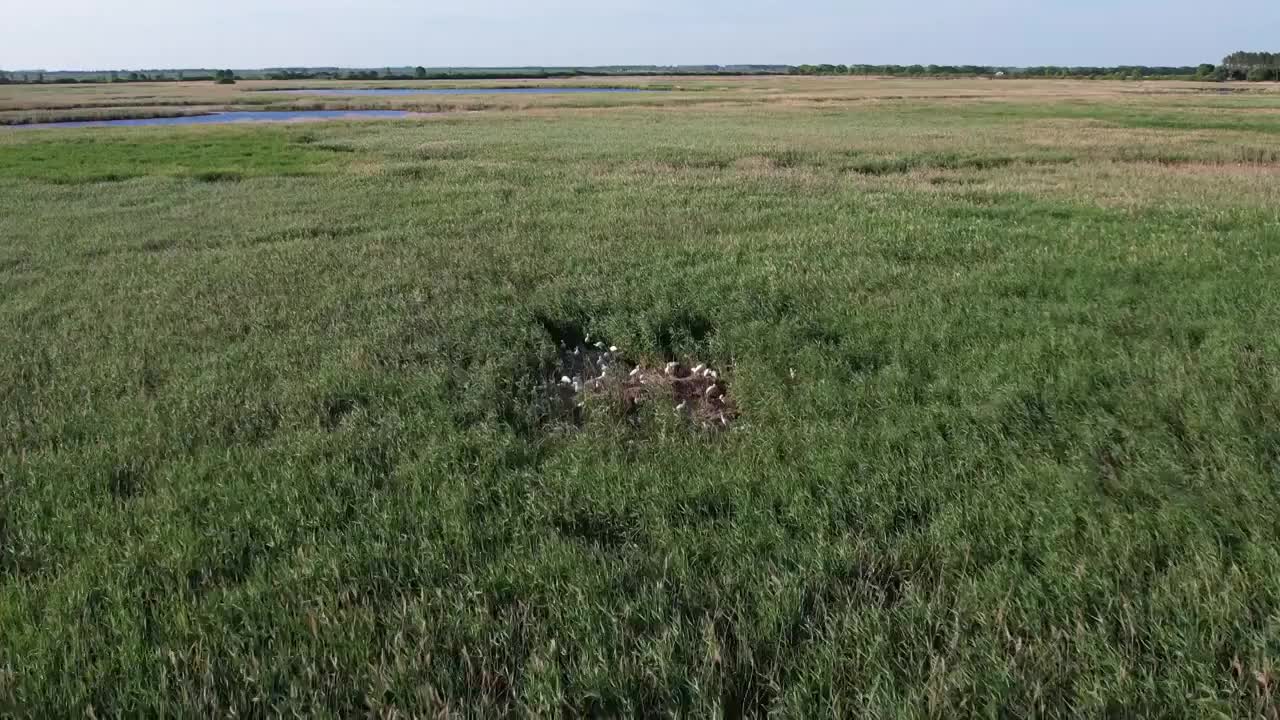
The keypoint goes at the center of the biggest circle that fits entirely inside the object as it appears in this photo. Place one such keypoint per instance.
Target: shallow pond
(462, 91)
(223, 118)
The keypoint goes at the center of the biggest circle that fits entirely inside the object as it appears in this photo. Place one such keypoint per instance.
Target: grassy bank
(35, 117)
(273, 427)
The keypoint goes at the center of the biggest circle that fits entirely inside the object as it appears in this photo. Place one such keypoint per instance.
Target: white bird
(713, 374)
(613, 348)
(671, 367)
(636, 371)
(680, 408)
(566, 380)
(698, 370)
(599, 346)
(577, 351)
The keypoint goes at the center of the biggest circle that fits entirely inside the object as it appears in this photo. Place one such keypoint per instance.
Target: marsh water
(222, 118)
(461, 91)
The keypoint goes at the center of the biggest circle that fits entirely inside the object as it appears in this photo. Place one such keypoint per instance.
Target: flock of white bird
(697, 392)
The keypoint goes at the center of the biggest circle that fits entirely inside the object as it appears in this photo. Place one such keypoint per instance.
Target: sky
(97, 34)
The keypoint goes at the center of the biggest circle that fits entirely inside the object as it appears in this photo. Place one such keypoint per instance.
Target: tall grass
(1006, 441)
(34, 117)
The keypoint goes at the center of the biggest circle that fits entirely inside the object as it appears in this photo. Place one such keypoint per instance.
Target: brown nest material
(697, 393)
(693, 391)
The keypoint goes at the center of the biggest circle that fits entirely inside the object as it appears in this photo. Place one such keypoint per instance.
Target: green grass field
(274, 439)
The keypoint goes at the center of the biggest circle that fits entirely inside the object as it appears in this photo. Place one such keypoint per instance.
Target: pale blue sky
(96, 34)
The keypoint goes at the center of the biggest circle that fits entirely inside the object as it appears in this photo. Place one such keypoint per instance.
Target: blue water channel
(223, 118)
(461, 91)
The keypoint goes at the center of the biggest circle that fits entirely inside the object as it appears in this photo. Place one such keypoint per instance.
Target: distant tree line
(422, 73)
(301, 75)
(1252, 66)
(1041, 71)
(37, 77)
(409, 73)
(1252, 59)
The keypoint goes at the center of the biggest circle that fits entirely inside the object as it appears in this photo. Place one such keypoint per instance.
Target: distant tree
(1205, 70)
(1251, 59)
(420, 72)
(1261, 73)
(133, 77)
(224, 77)
(1254, 66)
